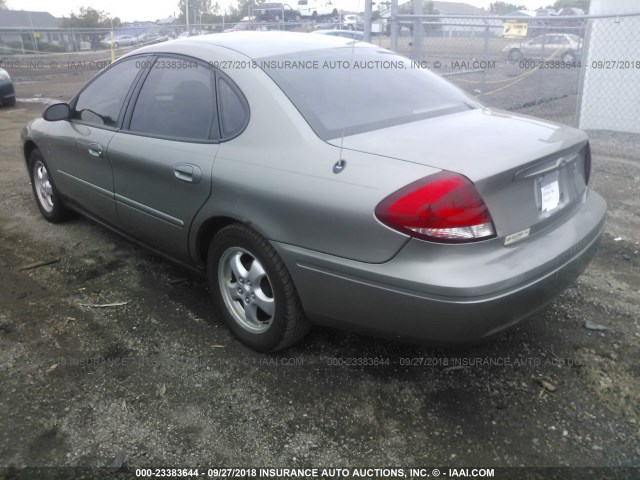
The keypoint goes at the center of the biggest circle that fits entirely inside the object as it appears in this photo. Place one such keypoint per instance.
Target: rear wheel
(276, 18)
(568, 57)
(253, 291)
(44, 190)
(515, 55)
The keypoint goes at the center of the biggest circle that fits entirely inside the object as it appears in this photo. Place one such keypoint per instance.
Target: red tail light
(444, 207)
(587, 164)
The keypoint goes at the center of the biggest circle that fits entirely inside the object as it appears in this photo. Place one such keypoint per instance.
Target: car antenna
(340, 165)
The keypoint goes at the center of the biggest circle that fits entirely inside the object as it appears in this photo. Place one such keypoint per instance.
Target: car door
(533, 48)
(82, 168)
(552, 47)
(163, 157)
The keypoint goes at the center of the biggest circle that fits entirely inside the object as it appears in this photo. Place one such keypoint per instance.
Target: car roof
(261, 44)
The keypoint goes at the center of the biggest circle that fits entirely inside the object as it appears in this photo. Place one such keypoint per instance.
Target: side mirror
(58, 111)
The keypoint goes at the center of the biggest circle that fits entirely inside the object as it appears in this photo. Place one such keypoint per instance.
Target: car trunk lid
(527, 171)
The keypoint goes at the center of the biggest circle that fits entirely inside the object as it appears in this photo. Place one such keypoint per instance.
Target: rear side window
(177, 100)
(355, 90)
(234, 110)
(101, 102)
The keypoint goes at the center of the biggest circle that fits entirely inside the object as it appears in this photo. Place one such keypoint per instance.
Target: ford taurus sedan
(318, 180)
(564, 47)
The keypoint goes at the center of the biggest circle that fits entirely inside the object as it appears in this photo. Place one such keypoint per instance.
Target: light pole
(187, 15)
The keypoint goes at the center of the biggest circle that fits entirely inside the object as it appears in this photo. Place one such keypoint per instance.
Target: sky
(129, 10)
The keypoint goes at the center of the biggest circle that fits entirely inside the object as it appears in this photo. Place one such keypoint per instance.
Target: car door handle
(187, 172)
(95, 150)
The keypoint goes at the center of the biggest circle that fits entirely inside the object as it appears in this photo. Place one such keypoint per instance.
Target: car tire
(349, 27)
(569, 57)
(116, 45)
(44, 190)
(297, 18)
(314, 15)
(252, 290)
(515, 55)
(276, 18)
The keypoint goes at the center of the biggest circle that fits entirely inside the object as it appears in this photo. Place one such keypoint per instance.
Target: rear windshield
(345, 91)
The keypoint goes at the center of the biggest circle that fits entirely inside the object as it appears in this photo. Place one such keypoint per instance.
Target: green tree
(504, 8)
(198, 9)
(89, 17)
(407, 8)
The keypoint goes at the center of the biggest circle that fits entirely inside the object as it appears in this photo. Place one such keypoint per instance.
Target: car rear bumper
(448, 294)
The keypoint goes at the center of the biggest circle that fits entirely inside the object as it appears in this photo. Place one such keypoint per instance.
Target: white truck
(316, 8)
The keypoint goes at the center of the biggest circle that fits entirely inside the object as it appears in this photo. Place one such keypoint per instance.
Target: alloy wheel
(246, 290)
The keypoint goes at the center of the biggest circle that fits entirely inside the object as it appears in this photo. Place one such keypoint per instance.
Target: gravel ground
(159, 382)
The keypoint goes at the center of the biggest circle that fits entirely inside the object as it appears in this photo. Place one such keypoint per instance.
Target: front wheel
(569, 57)
(253, 291)
(44, 190)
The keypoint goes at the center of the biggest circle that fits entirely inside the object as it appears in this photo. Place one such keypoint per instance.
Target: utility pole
(368, 7)
(394, 25)
(418, 31)
(187, 15)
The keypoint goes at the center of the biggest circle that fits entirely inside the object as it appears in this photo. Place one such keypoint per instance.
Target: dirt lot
(159, 382)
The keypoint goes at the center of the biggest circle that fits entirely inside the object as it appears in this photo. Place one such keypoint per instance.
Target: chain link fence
(576, 70)
(536, 73)
(610, 85)
(572, 70)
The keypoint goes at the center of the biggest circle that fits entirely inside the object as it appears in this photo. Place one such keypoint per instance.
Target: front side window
(176, 100)
(100, 103)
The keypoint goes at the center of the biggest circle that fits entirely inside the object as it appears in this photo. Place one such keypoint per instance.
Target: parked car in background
(546, 12)
(119, 41)
(275, 12)
(565, 47)
(567, 19)
(298, 209)
(351, 22)
(151, 38)
(7, 92)
(570, 11)
(193, 33)
(247, 24)
(317, 8)
(355, 35)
